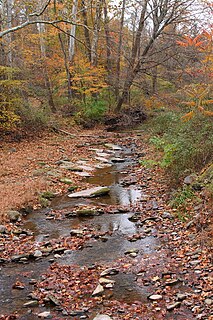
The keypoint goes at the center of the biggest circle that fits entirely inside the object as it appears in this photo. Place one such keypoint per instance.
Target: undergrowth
(186, 147)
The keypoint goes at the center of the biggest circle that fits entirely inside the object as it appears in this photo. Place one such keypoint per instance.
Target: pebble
(98, 291)
(208, 301)
(32, 281)
(45, 314)
(173, 306)
(37, 254)
(155, 297)
(110, 271)
(194, 263)
(167, 215)
(133, 254)
(102, 317)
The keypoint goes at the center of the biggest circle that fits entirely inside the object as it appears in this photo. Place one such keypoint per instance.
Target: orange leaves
(188, 116)
(198, 100)
(208, 113)
(190, 42)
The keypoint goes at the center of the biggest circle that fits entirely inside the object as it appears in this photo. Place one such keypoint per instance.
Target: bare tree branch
(53, 23)
(37, 14)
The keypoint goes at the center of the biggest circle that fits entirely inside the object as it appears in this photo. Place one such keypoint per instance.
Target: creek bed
(118, 225)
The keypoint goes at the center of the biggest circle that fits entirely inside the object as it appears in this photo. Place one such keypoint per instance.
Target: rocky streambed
(101, 252)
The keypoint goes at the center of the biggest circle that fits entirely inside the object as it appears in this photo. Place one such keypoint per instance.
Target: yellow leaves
(8, 119)
(87, 79)
(153, 103)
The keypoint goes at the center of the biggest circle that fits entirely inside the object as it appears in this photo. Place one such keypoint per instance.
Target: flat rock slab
(102, 154)
(112, 146)
(89, 193)
(87, 168)
(101, 159)
(103, 165)
(83, 174)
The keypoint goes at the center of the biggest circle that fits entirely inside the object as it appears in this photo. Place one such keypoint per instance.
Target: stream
(116, 244)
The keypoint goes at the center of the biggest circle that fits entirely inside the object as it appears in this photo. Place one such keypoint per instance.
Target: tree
(158, 14)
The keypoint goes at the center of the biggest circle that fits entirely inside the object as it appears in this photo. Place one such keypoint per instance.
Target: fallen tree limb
(64, 132)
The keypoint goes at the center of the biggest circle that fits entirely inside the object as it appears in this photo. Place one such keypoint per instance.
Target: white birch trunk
(73, 31)
(7, 6)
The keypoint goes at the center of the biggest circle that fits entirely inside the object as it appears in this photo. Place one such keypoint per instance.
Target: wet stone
(89, 193)
(32, 303)
(76, 232)
(131, 251)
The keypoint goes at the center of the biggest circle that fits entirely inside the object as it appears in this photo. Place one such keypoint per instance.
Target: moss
(101, 192)
(66, 181)
(48, 195)
(86, 212)
(72, 188)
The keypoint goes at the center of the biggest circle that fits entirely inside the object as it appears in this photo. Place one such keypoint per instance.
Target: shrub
(10, 98)
(91, 112)
(186, 146)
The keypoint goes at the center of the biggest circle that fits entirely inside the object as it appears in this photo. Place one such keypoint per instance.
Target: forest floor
(126, 255)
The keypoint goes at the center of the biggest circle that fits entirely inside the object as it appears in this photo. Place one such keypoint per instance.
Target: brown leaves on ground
(25, 167)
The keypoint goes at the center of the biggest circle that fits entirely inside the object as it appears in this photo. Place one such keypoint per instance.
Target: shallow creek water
(118, 224)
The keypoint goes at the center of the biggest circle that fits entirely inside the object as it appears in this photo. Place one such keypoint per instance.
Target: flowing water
(116, 245)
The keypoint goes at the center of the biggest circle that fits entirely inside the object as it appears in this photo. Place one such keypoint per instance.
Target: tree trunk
(66, 65)
(118, 62)
(73, 32)
(154, 79)
(96, 30)
(108, 42)
(41, 30)
(131, 70)
(86, 31)
(7, 6)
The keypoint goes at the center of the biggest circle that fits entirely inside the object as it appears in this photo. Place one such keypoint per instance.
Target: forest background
(82, 62)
